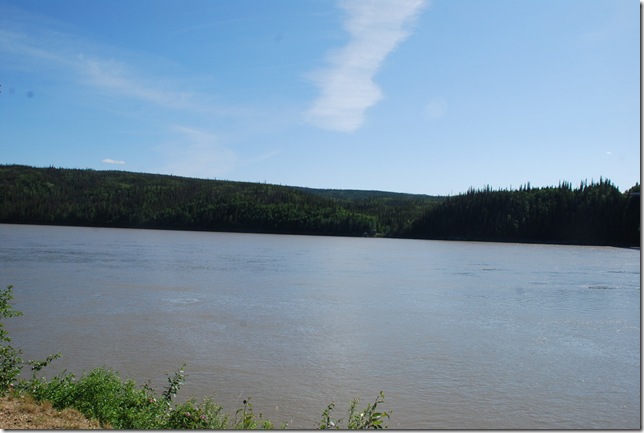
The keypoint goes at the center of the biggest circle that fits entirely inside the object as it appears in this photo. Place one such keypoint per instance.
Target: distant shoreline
(596, 214)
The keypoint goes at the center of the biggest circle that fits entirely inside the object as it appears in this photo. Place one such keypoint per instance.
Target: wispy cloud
(116, 79)
(70, 59)
(347, 89)
(196, 153)
(156, 91)
(113, 161)
(106, 72)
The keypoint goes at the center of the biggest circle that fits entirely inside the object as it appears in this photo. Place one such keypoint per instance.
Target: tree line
(595, 213)
(124, 199)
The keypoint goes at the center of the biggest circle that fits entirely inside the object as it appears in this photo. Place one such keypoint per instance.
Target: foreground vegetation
(101, 395)
(593, 214)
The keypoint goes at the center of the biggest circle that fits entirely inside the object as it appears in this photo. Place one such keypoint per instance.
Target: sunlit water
(458, 334)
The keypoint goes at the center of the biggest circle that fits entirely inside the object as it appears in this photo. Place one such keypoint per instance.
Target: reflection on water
(458, 335)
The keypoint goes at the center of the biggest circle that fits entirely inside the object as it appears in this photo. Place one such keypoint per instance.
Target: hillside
(125, 199)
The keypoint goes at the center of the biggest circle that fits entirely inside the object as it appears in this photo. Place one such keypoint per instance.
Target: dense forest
(125, 199)
(596, 213)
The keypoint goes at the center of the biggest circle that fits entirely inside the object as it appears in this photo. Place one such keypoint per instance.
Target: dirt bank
(22, 412)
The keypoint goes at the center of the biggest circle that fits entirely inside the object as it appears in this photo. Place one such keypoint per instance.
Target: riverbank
(22, 412)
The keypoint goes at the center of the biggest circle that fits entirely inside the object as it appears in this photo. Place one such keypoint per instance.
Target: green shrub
(191, 415)
(101, 395)
(245, 419)
(11, 362)
(368, 418)
(59, 390)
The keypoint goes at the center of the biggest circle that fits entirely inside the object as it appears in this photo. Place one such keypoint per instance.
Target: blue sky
(415, 96)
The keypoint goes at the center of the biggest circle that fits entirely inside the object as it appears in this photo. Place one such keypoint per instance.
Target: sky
(417, 96)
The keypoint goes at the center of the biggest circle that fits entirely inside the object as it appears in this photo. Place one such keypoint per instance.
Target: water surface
(459, 335)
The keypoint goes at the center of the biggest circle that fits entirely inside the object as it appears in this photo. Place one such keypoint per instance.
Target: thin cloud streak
(70, 59)
(65, 57)
(376, 28)
(113, 161)
(113, 77)
(196, 153)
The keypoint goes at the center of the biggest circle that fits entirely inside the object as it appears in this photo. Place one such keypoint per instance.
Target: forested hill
(125, 199)
(595, 214)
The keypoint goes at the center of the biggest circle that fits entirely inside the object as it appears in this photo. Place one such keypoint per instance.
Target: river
(459, 335)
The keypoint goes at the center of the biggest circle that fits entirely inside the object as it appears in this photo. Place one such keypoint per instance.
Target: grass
(102, 395)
